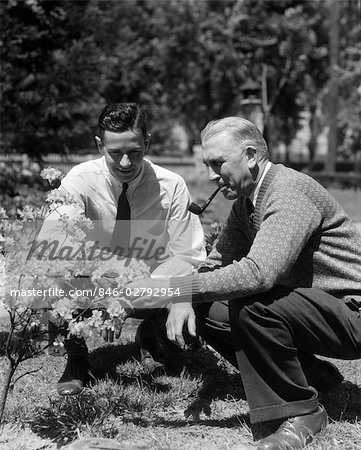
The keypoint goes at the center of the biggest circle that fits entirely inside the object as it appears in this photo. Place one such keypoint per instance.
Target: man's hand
(179, 315)
(112, 329)
(149, 293)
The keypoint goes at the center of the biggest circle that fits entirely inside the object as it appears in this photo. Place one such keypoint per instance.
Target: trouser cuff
(285, 410)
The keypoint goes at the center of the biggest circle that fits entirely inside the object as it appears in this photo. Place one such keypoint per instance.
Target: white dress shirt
(160, 219)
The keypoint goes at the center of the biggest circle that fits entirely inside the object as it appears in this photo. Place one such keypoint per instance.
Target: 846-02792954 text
(97, 291)
(139, 292)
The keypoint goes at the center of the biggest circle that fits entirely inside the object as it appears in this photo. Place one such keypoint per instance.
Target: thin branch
(9, 339)
(29, 372)
(27, 321)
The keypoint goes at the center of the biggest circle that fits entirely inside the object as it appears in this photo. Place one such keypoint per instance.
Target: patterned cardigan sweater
(299, 237)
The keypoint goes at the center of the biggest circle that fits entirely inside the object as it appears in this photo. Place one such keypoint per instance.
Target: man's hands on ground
(180, 314)
(113, 330)
(154, 293)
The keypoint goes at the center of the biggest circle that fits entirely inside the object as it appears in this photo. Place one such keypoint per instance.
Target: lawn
(198, 404)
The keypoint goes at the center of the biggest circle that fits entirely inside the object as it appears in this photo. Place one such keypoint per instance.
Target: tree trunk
(314, 131)
(334, 38)
(5, 389)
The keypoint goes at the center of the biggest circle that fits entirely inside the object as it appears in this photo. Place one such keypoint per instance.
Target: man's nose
(125, 162)
(212, 175)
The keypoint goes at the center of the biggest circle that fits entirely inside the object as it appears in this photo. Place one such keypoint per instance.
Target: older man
(138, 209)
(289, 263)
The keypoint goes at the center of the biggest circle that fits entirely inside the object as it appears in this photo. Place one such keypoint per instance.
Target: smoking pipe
(196, 209)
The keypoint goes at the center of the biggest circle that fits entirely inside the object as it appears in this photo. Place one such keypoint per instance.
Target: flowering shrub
(35, 289)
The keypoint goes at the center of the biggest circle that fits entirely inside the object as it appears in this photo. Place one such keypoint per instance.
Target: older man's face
(124, 153)
(228, 165)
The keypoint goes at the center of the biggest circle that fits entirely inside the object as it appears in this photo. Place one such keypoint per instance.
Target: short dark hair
(119, 117)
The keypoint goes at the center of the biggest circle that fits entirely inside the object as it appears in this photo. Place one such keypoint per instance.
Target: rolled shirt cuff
(185, 288)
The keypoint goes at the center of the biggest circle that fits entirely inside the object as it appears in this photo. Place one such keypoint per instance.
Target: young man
(289, 264)
(148, 203)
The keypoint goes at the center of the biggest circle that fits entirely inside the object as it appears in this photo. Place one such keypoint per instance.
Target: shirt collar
(118, 185)
(254, 195)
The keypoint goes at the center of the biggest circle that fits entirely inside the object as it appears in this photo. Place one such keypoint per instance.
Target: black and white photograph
(180, 224)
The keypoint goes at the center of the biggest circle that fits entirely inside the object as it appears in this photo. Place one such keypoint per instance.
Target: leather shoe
(75, 376)
(71, 387)
(296, 432)
(150, 365)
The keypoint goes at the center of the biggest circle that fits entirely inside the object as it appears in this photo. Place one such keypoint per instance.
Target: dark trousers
(271, 335)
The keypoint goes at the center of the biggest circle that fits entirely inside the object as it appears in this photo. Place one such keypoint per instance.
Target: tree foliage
(183, 60)
(48, 73)
(350, 79)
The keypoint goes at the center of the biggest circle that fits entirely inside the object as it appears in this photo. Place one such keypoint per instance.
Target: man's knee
(216, 311)
(213, 315)
(246, 317)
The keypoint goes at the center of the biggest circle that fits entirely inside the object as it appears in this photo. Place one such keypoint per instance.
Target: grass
(199, 404)
(169, 411)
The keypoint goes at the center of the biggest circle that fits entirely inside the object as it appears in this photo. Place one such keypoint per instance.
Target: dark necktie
(121, 233)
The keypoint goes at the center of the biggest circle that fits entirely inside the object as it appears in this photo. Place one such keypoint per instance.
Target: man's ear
(147, 143)
(252, 160)
(99, 144)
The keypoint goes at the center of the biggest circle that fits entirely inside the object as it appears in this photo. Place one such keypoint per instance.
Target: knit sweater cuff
(184, 288)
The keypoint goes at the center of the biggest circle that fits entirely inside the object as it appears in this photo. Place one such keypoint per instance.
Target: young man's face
(229, 166)
(123, 152)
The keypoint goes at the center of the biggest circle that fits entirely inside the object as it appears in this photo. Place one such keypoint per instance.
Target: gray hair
(243, 132)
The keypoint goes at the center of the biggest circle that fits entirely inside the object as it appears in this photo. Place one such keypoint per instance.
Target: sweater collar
(261, 193)
(254, 195)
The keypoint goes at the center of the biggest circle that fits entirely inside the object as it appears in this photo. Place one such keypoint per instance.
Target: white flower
(50, 174)
(58, 197)
(63, 308)
(97, 318)
(59, 340)
(115, 309)
(76, 328)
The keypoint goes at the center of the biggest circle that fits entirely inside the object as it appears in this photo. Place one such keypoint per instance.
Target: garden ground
(198, 404)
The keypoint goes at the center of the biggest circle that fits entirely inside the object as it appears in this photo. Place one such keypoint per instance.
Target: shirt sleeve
(186, 239)
(74, 184)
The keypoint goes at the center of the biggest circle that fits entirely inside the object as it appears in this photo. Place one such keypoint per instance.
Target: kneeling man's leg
(270, 329)
(214, 327)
